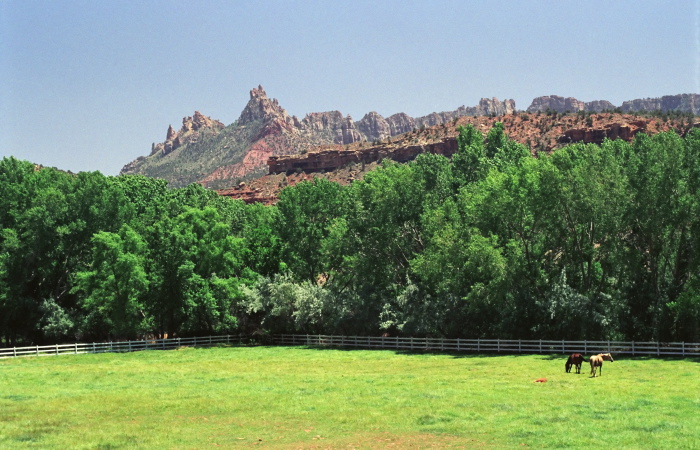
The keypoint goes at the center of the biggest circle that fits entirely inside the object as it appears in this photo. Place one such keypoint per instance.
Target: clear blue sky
(89, 85)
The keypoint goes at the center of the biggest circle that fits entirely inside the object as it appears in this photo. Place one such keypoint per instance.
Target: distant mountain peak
(260, 107)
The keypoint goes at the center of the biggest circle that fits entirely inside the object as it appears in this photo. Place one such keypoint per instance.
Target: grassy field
(281, 397)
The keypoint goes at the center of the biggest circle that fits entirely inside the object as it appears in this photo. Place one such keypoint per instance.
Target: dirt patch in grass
(391, 440)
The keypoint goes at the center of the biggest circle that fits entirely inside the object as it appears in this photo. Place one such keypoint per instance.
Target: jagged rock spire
(260, 107)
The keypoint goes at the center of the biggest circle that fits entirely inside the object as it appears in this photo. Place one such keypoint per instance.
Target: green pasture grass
(294, 397)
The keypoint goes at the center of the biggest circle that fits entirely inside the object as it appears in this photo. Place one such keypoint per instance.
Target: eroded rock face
(334, 124)
(612, 131)
(598, 106)
(486, 107)
(374, 127)
(493, 107)
(189, 132)
(349, 133)
(332, 159)
(330, 120)
(400, 123)
(687, 103)
(556, 103)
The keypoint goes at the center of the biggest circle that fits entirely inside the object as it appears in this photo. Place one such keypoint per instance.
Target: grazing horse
(576, 359)
(597, 361)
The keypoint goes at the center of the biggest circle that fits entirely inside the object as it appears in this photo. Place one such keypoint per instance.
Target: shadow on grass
(545, 357)
(408, 352)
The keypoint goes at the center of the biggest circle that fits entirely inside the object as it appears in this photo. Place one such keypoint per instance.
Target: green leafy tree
(469, 163)
(306, 212)
(659, 242)
(196, 271)
(115, 289)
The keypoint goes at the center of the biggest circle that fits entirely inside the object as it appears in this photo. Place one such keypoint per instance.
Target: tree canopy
(588, 242)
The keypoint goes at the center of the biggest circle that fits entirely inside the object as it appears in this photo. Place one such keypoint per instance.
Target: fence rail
(374, 342)
(492, 345)
(121, 346)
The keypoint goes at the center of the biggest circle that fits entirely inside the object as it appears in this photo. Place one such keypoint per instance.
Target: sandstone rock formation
(400, 123)
(189, 133)
(328, 160)
(611, 131)
(346, 164)
(492, 107)
(686, 103)
(341, 129)
(556, 103)
(598, 106)
(486, 107)
(214, 155)
(374, 127)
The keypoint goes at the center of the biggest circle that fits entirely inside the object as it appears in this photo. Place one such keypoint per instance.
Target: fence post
(76, 348)
(57, 349)
(478, 345)
(37, 350)
(658, 348)
(563, 346)
(498, 345)
(520, 349)
(683, 347)
(540, 345)
(632, 348)
(585, 346)
(129, 345)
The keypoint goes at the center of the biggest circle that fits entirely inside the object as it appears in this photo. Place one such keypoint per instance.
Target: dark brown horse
(576, 359)
(597, 361)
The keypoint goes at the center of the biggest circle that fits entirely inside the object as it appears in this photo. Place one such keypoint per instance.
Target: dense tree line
(589, 242)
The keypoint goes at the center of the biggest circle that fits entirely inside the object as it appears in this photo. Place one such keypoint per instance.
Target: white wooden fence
(122, 346)
(492, 345)
(375, 342)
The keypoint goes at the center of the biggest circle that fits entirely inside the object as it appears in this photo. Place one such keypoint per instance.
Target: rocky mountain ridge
(206, 151)
(684, 103)
(271, 131)
(539, 131)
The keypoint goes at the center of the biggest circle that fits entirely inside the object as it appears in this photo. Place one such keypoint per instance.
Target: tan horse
(597, 361)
